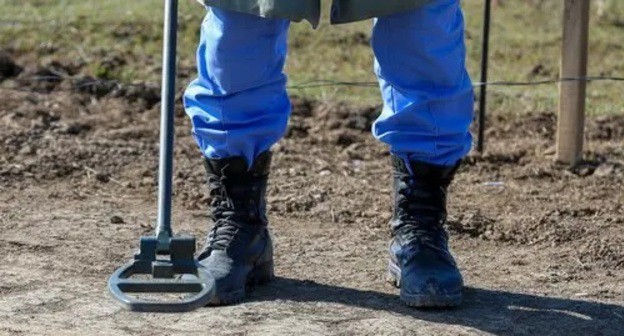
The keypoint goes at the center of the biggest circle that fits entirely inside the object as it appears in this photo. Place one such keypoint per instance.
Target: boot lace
(223, 216)
(420, 209)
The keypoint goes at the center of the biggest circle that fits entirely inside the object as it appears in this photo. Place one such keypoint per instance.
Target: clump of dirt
(47, 77)
(606, 251)
(607, 128)
(93, 86)
(474, 225)
(148, 96)
(542, 124)
(8, 67)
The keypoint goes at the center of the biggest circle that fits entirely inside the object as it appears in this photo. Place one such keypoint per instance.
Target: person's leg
(428, 107)
(427, 92)
(238, 104)
(239, 108)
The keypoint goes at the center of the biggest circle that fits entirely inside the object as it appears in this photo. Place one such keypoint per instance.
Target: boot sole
(422, 300)
(260, 275)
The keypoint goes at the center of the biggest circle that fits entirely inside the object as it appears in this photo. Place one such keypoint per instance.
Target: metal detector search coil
(165, 272)
(167, 261)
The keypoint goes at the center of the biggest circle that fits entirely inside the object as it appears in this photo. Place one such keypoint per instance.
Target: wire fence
(82, 83)
(59, 23)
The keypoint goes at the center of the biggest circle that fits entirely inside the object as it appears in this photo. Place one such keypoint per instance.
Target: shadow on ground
(493, 311)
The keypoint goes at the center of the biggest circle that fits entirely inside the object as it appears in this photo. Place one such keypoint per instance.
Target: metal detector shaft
(165, 263)
(165, 180)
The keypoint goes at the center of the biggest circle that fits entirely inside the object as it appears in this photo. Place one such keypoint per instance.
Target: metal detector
(165, 263)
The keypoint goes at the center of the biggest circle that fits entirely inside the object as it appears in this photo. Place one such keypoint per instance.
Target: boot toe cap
(432, 284)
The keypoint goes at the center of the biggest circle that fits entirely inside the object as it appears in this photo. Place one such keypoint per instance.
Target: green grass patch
(120, 39)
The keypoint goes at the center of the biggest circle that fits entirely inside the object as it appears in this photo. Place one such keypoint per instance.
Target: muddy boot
(238, 251)
(420, 261)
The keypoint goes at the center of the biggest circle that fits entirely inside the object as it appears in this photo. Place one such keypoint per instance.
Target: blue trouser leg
(427, 92)
(238, 104)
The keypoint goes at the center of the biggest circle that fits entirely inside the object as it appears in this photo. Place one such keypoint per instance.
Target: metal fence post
(484, 75)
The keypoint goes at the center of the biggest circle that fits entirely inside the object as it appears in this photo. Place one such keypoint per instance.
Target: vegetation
(120, 39)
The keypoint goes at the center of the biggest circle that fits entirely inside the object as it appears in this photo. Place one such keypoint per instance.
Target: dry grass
(525, 46)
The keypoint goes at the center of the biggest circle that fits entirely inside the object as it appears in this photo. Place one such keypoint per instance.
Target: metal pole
(484, 75)
(165, 180)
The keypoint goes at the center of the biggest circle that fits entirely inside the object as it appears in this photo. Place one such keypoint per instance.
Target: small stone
(584, 170)
(28, 150)
(605, 169)
(8, 68)
(550, 150)
(117, 220)
(147, 182)
(102, 177)
(76, 129)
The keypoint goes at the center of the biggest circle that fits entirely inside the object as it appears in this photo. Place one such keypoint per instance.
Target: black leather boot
(420, 261)
(239, 250)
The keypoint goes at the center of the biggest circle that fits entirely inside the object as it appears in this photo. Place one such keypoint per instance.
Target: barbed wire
(80, 83)
(55, 23)
(321, 83)
(60, 22)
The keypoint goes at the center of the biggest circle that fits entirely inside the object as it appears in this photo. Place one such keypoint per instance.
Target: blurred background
(121, 40)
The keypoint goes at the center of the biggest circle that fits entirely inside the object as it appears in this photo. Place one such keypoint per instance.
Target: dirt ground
(541, 246)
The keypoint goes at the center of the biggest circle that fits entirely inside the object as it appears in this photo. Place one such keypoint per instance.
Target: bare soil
(541, 246)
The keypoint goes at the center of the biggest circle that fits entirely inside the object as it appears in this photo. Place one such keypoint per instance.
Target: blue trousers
(238, 105)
